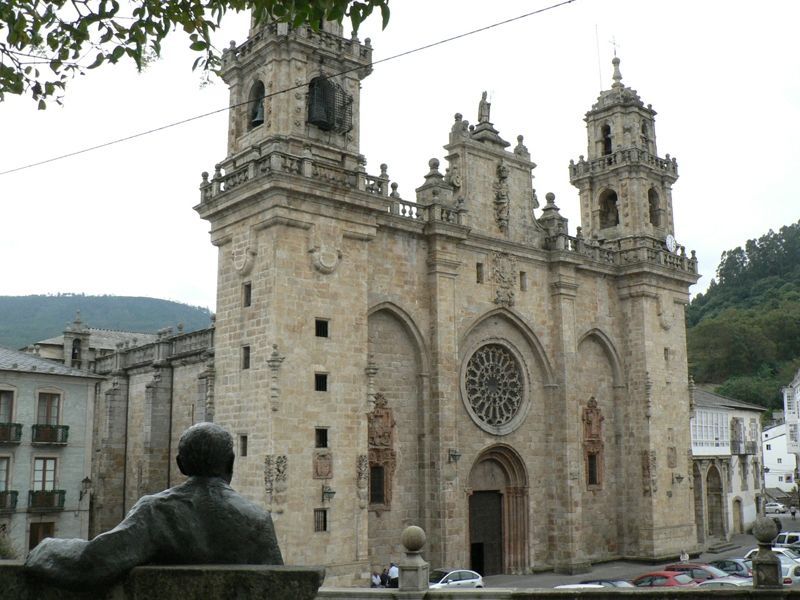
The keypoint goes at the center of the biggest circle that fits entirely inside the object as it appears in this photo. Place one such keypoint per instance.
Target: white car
(787, 552)
(774, 507)
(454, 578)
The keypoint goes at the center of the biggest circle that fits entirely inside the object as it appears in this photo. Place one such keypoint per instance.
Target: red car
(664, 579)
(697, 571)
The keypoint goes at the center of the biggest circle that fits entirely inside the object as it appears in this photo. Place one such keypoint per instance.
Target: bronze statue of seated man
(200, 521)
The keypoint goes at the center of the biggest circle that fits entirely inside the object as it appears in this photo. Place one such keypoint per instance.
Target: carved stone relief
(593, 446)
(325, 249)
(362, 480)
(275, 484)
(672, 457)
(649, 470)
(501, 197)
(323, 464)
(381, 436)
(505, 278)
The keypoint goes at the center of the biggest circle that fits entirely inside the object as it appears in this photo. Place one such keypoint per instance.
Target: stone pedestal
(414, 570)
(766, 565)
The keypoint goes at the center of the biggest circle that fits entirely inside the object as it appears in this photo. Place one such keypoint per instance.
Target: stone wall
(221, 582)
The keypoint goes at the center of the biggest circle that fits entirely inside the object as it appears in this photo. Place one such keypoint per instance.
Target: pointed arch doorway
(498, 512)
(716, 524)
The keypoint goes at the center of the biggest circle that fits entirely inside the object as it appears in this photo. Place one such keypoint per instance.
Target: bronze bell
(258, 113)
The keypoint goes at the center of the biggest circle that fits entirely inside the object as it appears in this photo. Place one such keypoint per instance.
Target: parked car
(774, 507)
(727, 582)
(664, 579)
(734, 566)
(697, 571)
(790, 573)
(787, 539)
(787, 552)
(454, 578)
(579, 586)
(609, 582)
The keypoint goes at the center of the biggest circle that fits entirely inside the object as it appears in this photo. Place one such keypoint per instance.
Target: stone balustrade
(623, 156)
(177, 345)
(192, 342)
(614, 254)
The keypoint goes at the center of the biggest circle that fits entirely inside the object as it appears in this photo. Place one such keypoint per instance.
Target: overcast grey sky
(724, 77)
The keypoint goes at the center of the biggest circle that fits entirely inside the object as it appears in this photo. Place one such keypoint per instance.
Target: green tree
(44, 43)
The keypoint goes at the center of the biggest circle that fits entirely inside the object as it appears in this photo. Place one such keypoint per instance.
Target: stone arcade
(451, 361)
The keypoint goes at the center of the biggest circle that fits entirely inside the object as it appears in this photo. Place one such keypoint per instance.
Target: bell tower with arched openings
(297, 87)
(625, 188)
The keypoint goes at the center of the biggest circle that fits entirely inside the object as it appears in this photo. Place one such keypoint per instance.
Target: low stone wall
(197, 582)
(551, 594)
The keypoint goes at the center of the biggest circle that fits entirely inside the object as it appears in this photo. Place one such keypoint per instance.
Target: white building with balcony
(726, 465)
(780, 463)
(46, 413)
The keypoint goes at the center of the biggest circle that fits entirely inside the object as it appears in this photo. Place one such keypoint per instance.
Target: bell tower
(296, 87)
(625, 188)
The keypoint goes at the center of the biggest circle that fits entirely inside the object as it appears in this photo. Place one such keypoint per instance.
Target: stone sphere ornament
(765, 530)
(413, 538)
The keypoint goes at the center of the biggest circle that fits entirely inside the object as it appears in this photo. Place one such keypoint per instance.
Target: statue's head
(206, 450)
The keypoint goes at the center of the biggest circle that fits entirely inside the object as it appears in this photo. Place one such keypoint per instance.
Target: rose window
(493, 385)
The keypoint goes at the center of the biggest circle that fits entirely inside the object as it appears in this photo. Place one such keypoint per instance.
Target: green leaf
(97, 61)
(198, 46)
(42, 104)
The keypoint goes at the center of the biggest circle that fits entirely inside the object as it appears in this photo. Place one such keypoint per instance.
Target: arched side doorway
(738, 521)
(716, 526)
(498, 512)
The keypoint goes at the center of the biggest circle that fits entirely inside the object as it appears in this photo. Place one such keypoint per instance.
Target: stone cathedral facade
(459, 360)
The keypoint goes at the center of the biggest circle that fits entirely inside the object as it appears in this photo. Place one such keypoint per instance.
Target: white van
(787, 539)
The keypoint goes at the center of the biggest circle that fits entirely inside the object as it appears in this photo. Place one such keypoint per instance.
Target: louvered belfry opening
(329, 107)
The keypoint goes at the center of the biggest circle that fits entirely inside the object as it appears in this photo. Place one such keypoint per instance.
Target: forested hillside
(744, 332)
(28, 319)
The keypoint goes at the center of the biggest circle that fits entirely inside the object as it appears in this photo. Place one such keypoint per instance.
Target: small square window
(321, 382)
(780, 460)
(769, 446)
(479, 272)
(245, 357)
(523, 281)
(247, 294)
(320, 437)
(242, 445)
(320, 519)
(321, 328)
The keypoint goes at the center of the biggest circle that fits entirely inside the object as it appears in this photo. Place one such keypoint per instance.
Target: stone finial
(413, 569)
(551, 199)
(433, 164)
(617, 75)
(521, 149)
(394, 193)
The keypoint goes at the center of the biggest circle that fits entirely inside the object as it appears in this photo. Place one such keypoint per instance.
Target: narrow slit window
(242, 445)
(245, 357)
(377, 488)
(479, 272)
(247, 294)
(321, 382)
(592, 471)
(321, 328)
(320, 437)
(523, 281)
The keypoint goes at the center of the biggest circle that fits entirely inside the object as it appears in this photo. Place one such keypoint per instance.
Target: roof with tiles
(708, 399)
(107, 339)
(23, 362)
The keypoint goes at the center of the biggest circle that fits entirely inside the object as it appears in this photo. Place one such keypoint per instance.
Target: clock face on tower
(671, 243)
